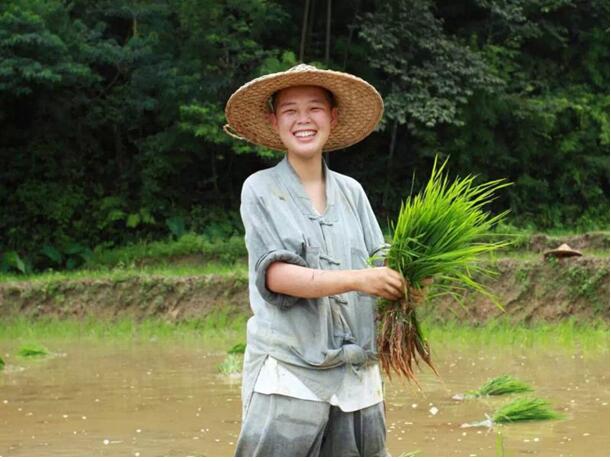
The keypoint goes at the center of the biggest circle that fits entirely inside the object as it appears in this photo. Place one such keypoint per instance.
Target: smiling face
(303, 119)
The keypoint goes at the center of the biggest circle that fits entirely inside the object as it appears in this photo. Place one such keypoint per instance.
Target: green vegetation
(522, 275)
(218, 328)
(523, 233)
(1, 363)
(583, 283)
(112, 114)
(239, 348)
(225, 252)
(231, 365)
(525, 409)
(32, 350)
(565, 334)
(196, 255)
(118, 273)
(439, 231)
(233, 362)
(226, 329)
(160, 257)
(499, 386)
(499, 445)
(437, 234)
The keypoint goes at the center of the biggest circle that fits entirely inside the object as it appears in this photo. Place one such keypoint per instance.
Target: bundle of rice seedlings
(439, 233)
(525, 409)
(232, 365)
(500, 386)
(33, 350)
(1, 363)
(520, 409)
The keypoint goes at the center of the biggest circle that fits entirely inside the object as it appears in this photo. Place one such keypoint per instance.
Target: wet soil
(532, 291)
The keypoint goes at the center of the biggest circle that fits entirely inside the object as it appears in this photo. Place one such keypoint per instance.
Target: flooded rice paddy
(167, 399)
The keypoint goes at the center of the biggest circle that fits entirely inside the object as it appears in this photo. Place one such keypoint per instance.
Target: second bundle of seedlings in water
(500, 385)
(33, 350)
(439, 233)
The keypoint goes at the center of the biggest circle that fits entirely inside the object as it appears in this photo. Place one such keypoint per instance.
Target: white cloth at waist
(356, 391)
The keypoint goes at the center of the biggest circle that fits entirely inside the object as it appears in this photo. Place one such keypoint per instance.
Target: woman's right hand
(380, 281)
(388, 283)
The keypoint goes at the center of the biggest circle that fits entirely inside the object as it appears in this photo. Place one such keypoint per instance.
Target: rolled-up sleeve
(265, 245)
(374, 238)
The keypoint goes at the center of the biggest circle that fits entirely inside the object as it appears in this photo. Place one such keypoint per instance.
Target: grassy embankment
(226, 330)
(146, 273)
(190, 255)
(196, 255)
(218, 328)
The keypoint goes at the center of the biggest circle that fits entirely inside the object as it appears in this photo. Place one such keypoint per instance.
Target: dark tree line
(111, 111)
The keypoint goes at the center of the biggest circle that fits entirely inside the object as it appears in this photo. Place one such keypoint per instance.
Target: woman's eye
(289, 111)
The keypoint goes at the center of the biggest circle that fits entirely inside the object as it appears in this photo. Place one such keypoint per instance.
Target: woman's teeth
(305, 134)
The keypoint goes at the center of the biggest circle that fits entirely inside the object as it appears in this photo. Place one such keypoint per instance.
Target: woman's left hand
(418, 295)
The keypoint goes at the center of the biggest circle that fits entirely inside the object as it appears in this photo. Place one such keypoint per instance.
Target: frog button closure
(340, 299)
(330, 260)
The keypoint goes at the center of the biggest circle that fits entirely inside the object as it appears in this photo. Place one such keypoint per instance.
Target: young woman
(311, 382)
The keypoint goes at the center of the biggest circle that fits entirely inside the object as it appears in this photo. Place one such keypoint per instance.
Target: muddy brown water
(167, 399)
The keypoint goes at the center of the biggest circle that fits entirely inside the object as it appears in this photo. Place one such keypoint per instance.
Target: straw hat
(562, 251)
(359, 105)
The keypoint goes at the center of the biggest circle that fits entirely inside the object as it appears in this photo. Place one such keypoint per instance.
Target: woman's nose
(303, 117)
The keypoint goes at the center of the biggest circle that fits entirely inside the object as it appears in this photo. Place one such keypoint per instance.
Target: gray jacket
(315, 338)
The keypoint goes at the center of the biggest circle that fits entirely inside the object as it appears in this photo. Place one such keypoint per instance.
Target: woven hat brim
(563, 250)
(360, 107)
(563, 253)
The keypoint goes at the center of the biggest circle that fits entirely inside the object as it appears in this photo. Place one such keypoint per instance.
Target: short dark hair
(329, 96)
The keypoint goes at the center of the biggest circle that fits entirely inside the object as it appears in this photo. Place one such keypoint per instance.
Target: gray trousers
(277, 425)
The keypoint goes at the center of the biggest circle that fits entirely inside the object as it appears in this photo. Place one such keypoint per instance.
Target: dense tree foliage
(111, 111)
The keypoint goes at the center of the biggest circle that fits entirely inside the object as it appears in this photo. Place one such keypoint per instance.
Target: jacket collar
(290, 179)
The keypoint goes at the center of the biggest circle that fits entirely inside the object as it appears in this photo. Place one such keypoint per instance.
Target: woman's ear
(334, 117)
(273, 120)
